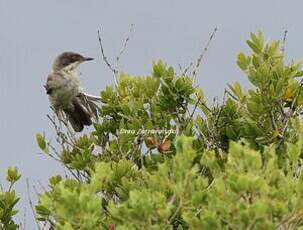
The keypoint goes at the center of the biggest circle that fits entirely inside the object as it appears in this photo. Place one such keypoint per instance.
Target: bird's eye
(75, 58)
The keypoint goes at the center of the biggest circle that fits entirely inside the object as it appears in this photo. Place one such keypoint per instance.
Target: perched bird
(65, 94)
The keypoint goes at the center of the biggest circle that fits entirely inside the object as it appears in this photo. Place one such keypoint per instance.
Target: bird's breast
(68, 89)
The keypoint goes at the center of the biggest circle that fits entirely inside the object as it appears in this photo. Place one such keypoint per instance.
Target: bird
(66, 97)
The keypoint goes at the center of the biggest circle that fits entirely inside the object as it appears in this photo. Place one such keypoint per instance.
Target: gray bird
(65, 94)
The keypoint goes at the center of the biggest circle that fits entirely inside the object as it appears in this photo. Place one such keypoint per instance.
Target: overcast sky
(33, 32)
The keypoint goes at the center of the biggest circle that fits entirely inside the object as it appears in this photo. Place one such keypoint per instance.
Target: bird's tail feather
(90, 104)
(84, 110)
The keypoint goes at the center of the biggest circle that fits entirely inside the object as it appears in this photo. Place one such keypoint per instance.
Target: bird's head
(69, 61)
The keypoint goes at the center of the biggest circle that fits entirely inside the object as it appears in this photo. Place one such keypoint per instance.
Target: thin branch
(60, 161)
(31, 202)
(272, 120)
(173, 216)
(24, 220)
(284, 41)
(180, 67)
(194, 110)
(115, 71)
(63, 139)
(41, 186)
(231, 95)
(57, 157)
(187, 68)
(124, 45)
(224, 96)
(194, 73)
(218, 115)
(201, 135)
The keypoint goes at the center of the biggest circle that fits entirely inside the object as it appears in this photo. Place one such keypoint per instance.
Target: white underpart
(68, 89)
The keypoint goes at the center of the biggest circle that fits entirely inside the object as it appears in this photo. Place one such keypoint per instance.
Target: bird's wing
(92, 97)
(78, 116)
(54, 81)
(89, 102)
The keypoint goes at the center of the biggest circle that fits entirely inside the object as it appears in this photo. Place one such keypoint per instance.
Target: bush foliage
(162, 157)
(8, 201)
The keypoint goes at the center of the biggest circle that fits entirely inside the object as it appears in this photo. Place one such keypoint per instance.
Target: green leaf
(254, 47)
(236, 89)
(41, 141)
(242, 61)
(294, 150)
(41, 210)
(273, 48)
(12, 174)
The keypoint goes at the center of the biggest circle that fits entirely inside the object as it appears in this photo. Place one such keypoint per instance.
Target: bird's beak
(88, 59)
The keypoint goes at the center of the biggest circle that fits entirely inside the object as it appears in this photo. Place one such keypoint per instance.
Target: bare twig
(205, 106)
(199, 60)
(187, 68)
(23, 226)
(57, 156)
(180, 67)
(191, 115)
(224, 96)
(31, 202)
(115, 71)
(284, 41)
(231, 95)
(41, 186)
(124, 45)
(217, 116)
(202, 136)
(195, 108)
(64, 139)
(60, 161)
(272, 120)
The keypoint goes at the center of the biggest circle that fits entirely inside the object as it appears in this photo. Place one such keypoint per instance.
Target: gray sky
(33, 32)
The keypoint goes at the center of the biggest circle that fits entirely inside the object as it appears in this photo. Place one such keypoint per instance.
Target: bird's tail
(83, 113)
